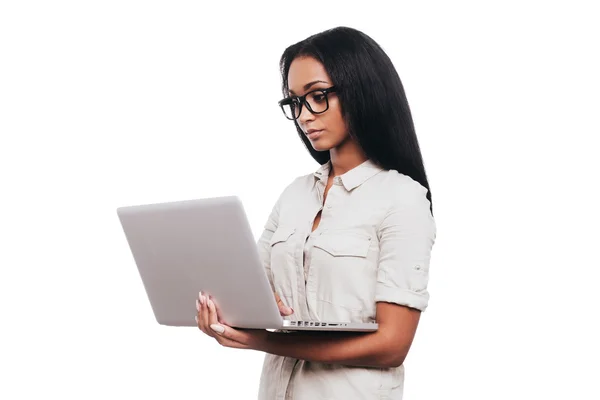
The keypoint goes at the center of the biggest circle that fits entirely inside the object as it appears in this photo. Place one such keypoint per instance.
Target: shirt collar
(351, 179)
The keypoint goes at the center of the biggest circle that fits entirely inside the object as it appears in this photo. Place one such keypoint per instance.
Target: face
(327, 130)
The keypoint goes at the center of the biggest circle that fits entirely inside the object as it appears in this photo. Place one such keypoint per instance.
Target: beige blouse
(373, 244)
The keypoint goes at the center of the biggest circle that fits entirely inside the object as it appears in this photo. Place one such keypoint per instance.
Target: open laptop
(184, 247)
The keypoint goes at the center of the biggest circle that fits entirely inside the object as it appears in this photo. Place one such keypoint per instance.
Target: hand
(283, 309)
(209, 323)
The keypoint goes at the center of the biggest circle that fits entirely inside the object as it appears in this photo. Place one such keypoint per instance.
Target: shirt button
(328, 205)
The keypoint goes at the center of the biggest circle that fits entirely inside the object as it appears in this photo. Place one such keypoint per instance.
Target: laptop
(181, 248)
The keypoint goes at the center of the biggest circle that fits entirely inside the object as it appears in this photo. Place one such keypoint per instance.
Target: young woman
(349, 242)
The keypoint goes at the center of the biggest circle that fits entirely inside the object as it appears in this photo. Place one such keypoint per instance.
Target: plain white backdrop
(113, 103)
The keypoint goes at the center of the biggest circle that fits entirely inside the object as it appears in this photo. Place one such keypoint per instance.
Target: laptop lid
(181, 248)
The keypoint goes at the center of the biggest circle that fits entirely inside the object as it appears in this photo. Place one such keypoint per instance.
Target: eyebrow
(308, 85)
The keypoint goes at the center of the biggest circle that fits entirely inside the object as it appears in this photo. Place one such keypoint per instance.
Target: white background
(112, 103)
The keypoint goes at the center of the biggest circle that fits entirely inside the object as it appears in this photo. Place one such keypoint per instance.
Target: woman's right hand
(283, 309)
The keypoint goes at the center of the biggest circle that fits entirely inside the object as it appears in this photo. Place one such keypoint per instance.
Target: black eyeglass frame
(302, 101)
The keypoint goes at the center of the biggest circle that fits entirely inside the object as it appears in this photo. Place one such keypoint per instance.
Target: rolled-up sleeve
(406, 237)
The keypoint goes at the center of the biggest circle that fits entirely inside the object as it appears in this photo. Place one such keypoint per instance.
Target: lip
(313, 133)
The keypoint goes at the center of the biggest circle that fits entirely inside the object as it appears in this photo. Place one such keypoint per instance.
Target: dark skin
(389, 345)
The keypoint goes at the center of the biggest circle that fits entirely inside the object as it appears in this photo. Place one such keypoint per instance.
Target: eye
(318, 97)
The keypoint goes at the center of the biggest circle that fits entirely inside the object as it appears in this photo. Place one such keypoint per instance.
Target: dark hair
(371, 95)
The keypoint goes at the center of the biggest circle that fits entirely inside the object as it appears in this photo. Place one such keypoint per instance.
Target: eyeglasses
(316, 102)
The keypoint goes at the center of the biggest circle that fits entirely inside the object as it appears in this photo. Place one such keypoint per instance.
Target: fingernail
(197, 305)
(217, 328)
(196, 318)
(202, 300)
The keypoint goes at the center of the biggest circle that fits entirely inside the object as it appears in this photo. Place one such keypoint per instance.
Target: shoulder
(406, 204)
(300, 184)
(401, 188)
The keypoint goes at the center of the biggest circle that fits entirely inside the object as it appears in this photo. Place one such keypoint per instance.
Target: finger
(212, 317)
(198, 312)
(205, 317)
(202, 320)
(283, 309)
(215, 328)
(233, 337)
(219, 314)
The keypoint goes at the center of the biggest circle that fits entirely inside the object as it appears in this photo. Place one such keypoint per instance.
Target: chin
(322, 146)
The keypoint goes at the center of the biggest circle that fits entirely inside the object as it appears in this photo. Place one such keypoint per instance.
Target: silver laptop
(184, 247)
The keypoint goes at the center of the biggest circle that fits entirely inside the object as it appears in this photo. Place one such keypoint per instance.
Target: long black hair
(371, 95)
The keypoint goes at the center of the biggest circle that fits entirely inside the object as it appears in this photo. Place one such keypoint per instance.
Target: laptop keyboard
(312, 323)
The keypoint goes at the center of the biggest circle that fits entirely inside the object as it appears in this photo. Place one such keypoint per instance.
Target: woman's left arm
(385, 348)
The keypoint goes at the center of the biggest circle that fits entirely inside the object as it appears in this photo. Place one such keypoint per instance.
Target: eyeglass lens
(317, 103)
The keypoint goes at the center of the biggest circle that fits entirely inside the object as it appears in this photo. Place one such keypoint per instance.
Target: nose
(305, 115)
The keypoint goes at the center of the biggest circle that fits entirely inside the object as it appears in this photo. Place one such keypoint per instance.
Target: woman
(350, 242)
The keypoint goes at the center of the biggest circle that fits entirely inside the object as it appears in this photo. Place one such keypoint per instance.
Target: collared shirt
(373, 243)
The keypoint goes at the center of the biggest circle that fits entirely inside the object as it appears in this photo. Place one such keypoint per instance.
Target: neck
(345, 157)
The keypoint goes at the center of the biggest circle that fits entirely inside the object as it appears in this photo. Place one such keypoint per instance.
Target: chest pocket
(281, 235)
(283, 268)
(344, 244)
(344, 268)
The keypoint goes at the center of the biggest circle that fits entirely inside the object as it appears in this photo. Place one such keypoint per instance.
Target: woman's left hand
(208, 322)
